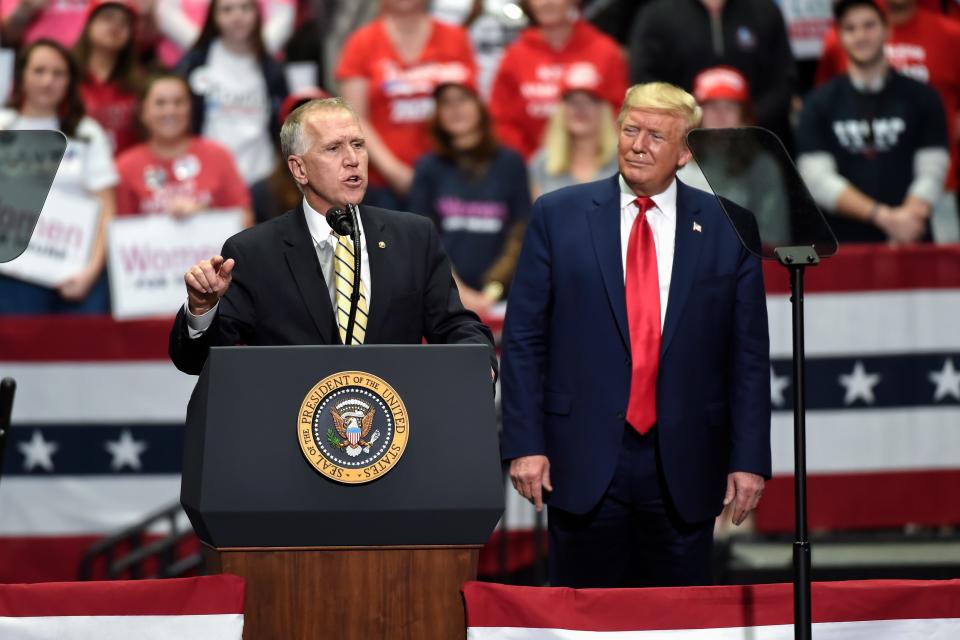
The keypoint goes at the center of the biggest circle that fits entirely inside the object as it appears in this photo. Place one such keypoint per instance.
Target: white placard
(807, 23)
(148, 255)
(61, 242)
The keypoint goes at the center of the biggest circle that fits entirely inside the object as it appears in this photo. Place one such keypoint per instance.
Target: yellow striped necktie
(343, 276)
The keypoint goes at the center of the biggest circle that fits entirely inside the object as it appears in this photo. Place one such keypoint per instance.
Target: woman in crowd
(175, 172)
(476, 191)
(180, 21)
(237, 90)
(580, 143)
(387, 72)
(46, 96)
(724, 96)
(526, 88)
(107, 56)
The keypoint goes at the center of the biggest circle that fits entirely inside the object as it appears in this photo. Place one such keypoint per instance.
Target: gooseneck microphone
(345, 223)
(340, 221)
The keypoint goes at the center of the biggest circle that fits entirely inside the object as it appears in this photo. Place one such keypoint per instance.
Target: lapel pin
(697, 227)
(382, 244)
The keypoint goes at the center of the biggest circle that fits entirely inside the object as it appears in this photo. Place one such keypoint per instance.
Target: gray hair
(292, 138)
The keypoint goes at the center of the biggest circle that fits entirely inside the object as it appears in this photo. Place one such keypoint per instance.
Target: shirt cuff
(198, 325)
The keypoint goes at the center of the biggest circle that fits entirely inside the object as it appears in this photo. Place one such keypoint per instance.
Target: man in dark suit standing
(636, 365)
(289, 280)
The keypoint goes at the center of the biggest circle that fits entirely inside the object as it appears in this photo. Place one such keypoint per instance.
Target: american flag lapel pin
(697, 227)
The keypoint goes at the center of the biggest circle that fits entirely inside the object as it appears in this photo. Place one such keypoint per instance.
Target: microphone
(340, 221)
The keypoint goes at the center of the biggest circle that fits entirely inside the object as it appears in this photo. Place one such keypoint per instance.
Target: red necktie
(643, 318)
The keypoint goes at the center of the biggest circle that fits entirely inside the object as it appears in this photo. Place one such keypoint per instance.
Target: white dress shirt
(325, 243)
(662, 219)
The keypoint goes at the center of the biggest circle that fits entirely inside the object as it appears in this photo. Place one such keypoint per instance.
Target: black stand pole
(796, 260)
(355, 294)
(7, 387)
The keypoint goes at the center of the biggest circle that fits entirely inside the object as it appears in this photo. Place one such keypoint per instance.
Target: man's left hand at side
(744, 490)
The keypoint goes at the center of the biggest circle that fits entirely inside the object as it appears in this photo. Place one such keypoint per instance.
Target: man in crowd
(290, 280)
(636, 366)
(922, 45)
(873, 143)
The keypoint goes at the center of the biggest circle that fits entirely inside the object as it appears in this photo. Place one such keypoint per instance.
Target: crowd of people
(175, 106)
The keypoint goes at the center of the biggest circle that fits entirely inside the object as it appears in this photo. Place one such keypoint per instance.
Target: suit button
(621, 415)
(626, 361)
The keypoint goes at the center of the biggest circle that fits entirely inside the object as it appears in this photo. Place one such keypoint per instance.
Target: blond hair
(292, 138)
(665, 98)
(556, 140)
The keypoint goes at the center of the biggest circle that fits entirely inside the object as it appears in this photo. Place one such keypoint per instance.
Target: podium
(352, 487)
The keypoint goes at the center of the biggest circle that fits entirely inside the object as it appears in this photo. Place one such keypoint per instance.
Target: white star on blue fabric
(859, 384)
(777, 386)
(125, 451)
(38, 452)
(947, 381)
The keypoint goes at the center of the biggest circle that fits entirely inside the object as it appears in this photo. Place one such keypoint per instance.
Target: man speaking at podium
(289, 281)
(636, 364)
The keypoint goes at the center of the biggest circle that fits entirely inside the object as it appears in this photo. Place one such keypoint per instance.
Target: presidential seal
(353, 427)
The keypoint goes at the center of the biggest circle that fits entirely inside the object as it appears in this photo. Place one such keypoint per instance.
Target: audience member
(673, 40)
(873, 143)
(388, 71)
(106, 54)
(237, 91)
(180, 24)
(526, 89)
(748, 176)
(26, 21)
(476, 191)
(580, 143)
(46, 95)
(174, 172)
(924, 46)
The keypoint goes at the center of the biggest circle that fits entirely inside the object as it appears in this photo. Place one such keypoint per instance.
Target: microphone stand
(355, 294)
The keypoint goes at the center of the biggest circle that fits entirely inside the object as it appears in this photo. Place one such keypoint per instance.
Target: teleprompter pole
(796, 260)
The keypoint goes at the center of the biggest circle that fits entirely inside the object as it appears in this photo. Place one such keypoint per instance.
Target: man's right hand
(207, 281)
(531, 477)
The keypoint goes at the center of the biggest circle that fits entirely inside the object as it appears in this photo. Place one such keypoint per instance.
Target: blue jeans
(22, 298)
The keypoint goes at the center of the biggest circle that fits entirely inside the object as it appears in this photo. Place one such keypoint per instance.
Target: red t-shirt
(205, 173)
(400, 94)
(114, 109)
(953, 7)
(925, 48)
(526, 88)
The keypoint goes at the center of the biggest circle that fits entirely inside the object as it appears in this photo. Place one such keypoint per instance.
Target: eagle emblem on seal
(352, 420)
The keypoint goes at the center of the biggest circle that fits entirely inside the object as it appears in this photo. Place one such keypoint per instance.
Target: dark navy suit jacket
(566, 352)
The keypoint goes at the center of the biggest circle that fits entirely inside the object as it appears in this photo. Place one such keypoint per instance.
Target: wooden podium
(325, 559)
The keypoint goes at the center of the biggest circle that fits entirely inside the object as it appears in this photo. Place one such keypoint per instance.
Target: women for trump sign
(148, 256)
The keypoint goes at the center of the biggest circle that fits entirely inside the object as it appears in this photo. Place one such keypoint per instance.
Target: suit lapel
(301, 258)
(604, 224)
(375, 232)
(686, 255)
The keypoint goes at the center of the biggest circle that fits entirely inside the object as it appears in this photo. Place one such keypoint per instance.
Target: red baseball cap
(294, 100)
(581, 76)
(721, 83)
(129, 5)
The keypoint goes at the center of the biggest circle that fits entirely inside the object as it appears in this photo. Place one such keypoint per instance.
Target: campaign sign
(148, 255)
(61, 242)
